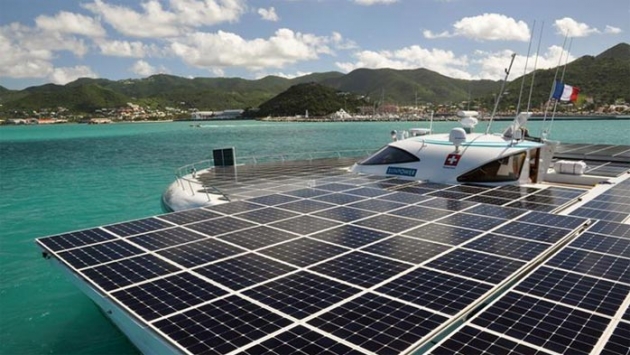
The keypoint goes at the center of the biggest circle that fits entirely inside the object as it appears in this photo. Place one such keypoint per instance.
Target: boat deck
(310, 258)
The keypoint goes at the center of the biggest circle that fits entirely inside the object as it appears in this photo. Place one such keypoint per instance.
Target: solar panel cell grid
(478, 266)
(244, 271)
(300, 340)
(591, 263)
(301, 294)
(128, 271)
(162, 297)
(219, 226)
(377, 323)
(360, 269)
(442, 233)
(303, 252)
(344, 214)
(438, 291)
(76, 239)
(202, 330)
(606, 245)
(510, 247)
(542, 323)
(470, 340)
(165, 238)
(267, 215)
(411, 250)
(199, 253)
(304, 225)
(137, 227)
(188, 216)
(99, 253)
(388, 223)
(350, 236)
(581, 291)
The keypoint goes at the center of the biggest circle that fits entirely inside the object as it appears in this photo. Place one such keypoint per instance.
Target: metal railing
(186, 175)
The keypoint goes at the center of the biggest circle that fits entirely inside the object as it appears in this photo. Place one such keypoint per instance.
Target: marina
(368, 259)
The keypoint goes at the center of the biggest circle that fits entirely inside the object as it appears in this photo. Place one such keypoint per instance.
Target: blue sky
(58, 41)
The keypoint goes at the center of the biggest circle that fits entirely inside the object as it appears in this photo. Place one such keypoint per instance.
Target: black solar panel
(330, 266)
(378, 323)
(136, 227)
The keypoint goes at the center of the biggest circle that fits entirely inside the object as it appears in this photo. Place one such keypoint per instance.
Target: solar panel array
(351, 264)
(577, 302)
(594, 152)
(612, 205)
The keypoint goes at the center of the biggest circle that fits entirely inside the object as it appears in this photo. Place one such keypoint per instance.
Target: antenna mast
(496, 102)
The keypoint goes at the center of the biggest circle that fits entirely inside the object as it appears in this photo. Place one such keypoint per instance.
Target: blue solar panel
(608, 245)
(478, 266)
(435, 290)
(542, 323)
(165, 238)
(378, 323)
(618, 342)
(201, 330)
(470, 340)
(76, 239)
(301, 294)
(99, 253)
(344, 214)
(300, 340)
(360, 269)
(350, 236)
(505, 246)
(303, 252)
(407, 249)
(200, 252)
(244, 270)
(592, 263)
(161, 297)
(136, 227)
(442, 233)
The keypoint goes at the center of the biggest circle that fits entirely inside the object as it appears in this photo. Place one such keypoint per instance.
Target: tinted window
(504, 169)
(390, 155)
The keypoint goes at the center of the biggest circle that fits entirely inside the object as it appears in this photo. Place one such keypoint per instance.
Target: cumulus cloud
(70, 23)
(135, 49)
(486, 27)
(143, 68)
(156, 21)
(268, 14)
(65, 75)
(282, 74)
(412, 57)
(492, 64)
(374, 2)
(612, 30)
(224, 49)
(572, 28)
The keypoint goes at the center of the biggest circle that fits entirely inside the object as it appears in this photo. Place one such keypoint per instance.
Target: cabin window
(390, 155)
(504, 169)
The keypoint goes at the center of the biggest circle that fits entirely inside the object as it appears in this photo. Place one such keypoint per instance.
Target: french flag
(564, 92)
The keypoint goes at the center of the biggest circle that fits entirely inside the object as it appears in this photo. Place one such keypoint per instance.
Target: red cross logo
(452, 160)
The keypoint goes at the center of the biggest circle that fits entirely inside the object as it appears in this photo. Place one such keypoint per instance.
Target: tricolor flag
(564, 92)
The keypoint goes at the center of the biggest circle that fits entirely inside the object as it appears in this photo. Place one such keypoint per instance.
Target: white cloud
(492, 65)
(413, 57)
(374, 2)
(70, 23)
(268, 14)
(134, 49)
(341, 43)
(486, 27)
(29, 52)
(572, 28)
(282, 74)
(612, 30)
(155, 21)
(143, 68)
(224, 49)
(65, 75)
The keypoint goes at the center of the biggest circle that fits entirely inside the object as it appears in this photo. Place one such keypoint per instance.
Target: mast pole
(496, 102)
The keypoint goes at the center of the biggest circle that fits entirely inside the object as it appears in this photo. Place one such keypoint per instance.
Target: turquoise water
(56, 179)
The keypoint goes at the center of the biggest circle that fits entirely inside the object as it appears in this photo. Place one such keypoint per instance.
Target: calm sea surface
(61, 178)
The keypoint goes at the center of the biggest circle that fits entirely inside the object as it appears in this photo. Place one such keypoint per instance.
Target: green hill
(317, 99)
(602, 78)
